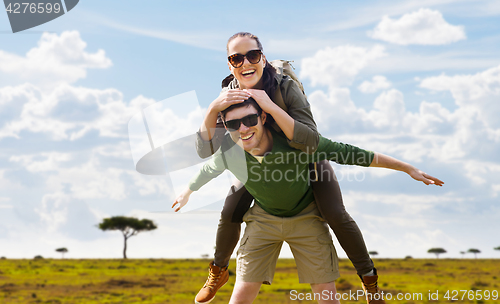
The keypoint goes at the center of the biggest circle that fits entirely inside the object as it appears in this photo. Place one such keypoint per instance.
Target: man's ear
(230, 67)
(263, 117)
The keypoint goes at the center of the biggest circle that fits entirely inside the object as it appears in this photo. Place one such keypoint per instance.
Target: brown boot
(217, 277)
(370, 286)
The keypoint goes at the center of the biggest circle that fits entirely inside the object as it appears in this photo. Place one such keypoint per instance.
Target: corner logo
(26, 14)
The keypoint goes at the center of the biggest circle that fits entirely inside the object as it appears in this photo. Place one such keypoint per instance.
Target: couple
(290, 210)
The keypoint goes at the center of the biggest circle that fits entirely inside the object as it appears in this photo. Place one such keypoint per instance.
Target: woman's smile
(248, 73)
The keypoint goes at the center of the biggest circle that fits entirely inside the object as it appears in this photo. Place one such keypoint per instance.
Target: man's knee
(327, 293)
(244, 292)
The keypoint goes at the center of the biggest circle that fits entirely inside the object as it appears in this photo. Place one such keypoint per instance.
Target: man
(278, 178)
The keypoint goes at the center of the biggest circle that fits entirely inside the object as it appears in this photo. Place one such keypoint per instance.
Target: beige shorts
(306, 233)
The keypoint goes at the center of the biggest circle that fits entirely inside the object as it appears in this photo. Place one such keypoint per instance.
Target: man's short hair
(249, 102)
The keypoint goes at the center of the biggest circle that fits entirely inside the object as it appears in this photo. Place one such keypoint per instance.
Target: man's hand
(418, 175)
(182, 199)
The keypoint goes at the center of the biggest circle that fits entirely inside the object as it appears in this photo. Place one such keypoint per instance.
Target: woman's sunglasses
(249, 121)
(253, 56)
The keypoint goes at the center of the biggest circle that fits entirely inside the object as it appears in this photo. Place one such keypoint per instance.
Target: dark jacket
(305, 134)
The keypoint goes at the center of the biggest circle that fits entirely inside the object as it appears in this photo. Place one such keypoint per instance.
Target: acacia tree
(497, 248)
(372, 253)
(475, 251)
(62, 251)
(129, 226)
(462, 253)
(436, 251)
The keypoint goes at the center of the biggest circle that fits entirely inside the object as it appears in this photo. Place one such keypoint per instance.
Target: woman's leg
(228, 233)
(329, 200)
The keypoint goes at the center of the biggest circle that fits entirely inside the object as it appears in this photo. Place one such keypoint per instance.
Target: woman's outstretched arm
(385, 161)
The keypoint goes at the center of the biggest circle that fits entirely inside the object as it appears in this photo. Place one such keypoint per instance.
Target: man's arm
(182, 199)
(210, 170)
(384, 161)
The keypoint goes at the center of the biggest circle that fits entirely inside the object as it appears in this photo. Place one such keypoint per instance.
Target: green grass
(178, 281)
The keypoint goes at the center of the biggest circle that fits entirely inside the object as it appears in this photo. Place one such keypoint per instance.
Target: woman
(253, 76)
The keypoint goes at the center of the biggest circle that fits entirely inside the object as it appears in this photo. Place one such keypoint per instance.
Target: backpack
(285, 68)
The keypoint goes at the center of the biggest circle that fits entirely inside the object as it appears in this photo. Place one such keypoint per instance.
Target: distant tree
(372, 253)
(462, 253)
(436, 251)
(62, 251)
(205, 256)
(38, 257)
(475, 251)
(497, 248)
(129, 226)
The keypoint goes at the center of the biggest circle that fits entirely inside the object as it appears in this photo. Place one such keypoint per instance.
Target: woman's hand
(263, 100)
(227, 99)
(384, 161)
(427, 179)
(282, 118)
(182, 199)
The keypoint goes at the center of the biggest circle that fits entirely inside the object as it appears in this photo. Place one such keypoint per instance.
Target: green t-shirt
(280, 184)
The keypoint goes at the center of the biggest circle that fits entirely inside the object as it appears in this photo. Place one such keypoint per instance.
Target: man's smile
(247, 136)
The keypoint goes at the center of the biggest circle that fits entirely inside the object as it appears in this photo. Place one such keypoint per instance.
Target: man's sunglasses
(253, 56)
(249, 121)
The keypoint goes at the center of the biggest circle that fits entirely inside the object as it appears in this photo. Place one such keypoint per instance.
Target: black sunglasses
(253, 56)
(249, 121)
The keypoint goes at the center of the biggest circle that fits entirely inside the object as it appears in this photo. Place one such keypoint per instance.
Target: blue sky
(418, 80)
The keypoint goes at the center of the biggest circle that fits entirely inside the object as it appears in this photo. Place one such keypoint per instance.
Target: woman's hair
(268, 74)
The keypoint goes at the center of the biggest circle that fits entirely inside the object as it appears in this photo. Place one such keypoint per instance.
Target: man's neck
(265, 146)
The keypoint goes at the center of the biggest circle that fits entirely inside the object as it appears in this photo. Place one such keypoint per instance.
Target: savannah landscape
(178, 280)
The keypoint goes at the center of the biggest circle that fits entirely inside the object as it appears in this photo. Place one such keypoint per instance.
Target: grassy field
(178, 281)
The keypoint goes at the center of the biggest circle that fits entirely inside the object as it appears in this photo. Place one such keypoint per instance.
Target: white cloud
(91, 180)
(68, 112)
(338, 66)
(7, 184)
(389, 110)
(478, 94)
(86, 177)
(432, 131)
(4, 200)
(12, 101)
(41, 162)
(56, 59)
(378, 83)
(425, 27)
